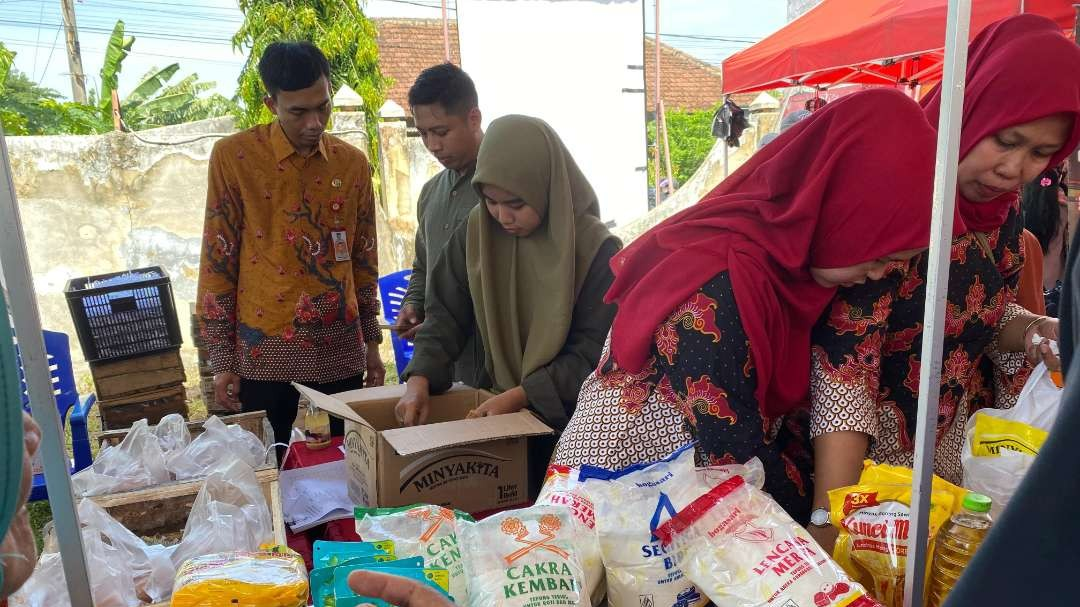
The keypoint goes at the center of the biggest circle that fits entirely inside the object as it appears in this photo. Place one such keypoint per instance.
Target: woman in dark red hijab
(716, 304)
(1021, 104)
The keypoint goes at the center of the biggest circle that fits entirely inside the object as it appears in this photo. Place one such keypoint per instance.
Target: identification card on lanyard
(341, 245)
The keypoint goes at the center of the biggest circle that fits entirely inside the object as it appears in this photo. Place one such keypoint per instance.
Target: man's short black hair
(445, 84)
(292, 66)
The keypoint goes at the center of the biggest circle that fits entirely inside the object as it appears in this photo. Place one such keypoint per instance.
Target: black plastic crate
(124, 314)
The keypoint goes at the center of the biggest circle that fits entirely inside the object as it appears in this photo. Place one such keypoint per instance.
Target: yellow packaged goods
(525, 558)
(874, 518)
(242, 579)
(741, 549)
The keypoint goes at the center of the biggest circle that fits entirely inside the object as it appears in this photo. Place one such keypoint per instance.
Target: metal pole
(1074, 158)
(657, 108)
(71, 34)
(445, 32)
(941, 225)
(15, 271)
(667, 149)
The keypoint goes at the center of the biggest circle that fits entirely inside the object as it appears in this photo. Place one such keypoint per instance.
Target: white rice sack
(525, 558)
(743, 550)
(563, 488)
(630, 504)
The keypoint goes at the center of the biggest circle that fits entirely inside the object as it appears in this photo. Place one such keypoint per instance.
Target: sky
(197, 33)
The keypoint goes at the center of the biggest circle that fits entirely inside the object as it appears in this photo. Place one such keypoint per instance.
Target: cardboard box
(474, 465)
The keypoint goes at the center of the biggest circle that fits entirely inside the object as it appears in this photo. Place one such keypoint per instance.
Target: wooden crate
(152, 406)
(164, 509)
(252, 422)
(125, 378)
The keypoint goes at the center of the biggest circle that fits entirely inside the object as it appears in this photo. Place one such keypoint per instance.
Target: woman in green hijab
(528, 270)
(19, 440)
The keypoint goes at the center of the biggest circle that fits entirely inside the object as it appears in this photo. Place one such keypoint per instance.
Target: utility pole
(71, 33)
(445, 32)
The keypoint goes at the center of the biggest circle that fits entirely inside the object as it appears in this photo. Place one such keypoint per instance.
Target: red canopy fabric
(867, 42)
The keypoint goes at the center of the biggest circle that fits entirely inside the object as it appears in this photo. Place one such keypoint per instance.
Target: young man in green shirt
(447, 114)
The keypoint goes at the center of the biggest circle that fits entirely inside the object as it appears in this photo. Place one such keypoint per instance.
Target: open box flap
(431, 437)
(331, 405)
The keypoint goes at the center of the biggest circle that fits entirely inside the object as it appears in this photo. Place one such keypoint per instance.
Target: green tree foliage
(338, 27)
(690, 139)
(28, 109)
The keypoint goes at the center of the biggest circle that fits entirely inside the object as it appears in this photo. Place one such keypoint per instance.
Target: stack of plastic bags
(229, 514)
(153, 456)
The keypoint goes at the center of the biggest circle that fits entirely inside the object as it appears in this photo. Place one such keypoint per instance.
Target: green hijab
(11, 425)
(524, 289)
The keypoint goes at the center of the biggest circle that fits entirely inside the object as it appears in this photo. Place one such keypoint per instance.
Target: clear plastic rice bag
(137, 462)
(218, 443)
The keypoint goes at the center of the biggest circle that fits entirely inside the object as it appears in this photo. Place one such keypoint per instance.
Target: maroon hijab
(850, 184)
(1019, 69)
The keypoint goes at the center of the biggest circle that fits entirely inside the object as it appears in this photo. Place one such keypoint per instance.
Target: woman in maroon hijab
(716, 304)
(1020, 108)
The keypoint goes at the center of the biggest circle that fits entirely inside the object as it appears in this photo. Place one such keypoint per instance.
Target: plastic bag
(229, 514)
(218, 443)
(243, 579)
(875, 520)
(151, 569)
(630, 504)
(753, 472)
(111, 579)
(421, 530)
(137, 462)
(743, 550)
(172, 433)
(525, 558)
(563, 488)
(1001, 444)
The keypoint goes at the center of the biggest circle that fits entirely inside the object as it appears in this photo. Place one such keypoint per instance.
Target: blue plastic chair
(392, 291)
(58, 350)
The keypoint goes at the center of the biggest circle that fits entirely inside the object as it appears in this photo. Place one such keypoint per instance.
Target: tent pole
(657, 108)
(940, 254)
(1074, 158)
(15, 275)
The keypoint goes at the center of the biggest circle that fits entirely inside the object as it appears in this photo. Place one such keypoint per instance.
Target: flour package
(426, 531)
(743, 550)
(629, 506)
(525, 558)
(564, 488)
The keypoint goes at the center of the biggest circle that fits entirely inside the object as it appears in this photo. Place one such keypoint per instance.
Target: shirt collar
(283, 148)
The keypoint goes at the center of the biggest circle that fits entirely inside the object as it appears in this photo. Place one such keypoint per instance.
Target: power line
(48, 61)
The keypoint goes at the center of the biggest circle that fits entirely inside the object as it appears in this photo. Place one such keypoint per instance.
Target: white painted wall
(566, 61)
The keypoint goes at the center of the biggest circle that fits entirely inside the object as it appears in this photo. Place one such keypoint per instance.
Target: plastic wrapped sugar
(629, 506)
(743, 550)
(525, 558)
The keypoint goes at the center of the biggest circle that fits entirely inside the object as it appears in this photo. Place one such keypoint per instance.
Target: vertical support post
(445, 32)
(937, 288)
(15, 274)
(71, 34)
(657, 106)
(667, 148)
(1074, 159)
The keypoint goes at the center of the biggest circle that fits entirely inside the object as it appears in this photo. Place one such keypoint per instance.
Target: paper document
(315, 495)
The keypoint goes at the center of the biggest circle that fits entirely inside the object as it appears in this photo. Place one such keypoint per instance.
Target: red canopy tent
(867, 42)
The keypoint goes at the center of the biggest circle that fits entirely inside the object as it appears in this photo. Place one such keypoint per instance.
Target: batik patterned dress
(866, 350)
(698, 385)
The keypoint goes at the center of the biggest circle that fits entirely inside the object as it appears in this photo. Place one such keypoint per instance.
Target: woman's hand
(511, 401)
(412, 409)
(1049, 328)
(18, 552)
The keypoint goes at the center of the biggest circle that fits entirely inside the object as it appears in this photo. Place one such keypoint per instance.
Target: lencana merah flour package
(525, 558)
(421, 530)
(629, 506)
(562, 487)
(743, 550)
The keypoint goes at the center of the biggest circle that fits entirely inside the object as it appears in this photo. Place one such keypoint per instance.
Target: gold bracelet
(1038, 321)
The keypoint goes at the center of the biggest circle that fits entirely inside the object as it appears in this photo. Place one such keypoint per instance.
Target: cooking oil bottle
(955, 544)
(316, 428)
